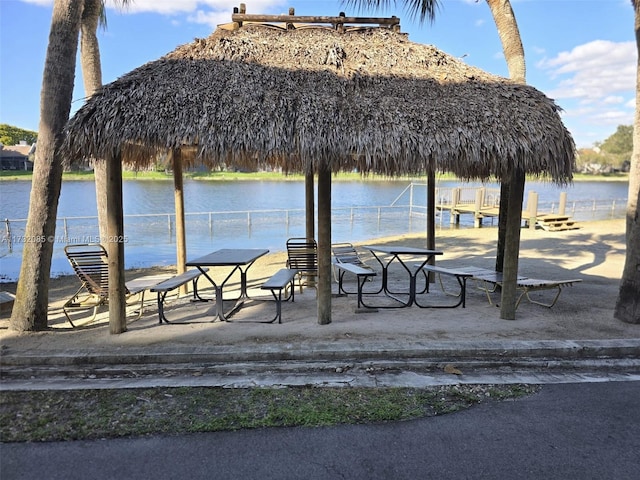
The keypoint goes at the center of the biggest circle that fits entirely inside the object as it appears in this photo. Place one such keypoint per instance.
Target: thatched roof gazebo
(319, 99)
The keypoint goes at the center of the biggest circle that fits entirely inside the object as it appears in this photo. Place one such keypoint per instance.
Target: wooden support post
(324, 247)
(431, 217)
(477, 216)
(310, 214)
(292, 12)
(178, 193)
(532, 209)
(562, 208)
(340, 26)
(115, 247)
(502, 223)
(512, 246)
(455, 199)
(309, 206)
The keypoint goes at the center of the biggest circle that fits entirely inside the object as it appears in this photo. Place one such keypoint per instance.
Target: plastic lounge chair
(346, 253)
(302, 255)
(524, 284)
(89, 262)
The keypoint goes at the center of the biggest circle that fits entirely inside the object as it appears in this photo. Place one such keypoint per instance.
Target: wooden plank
(240, 17)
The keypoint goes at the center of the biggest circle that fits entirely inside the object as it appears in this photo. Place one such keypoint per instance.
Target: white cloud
(39, 2)
(210, 18)
(612, 117)
(594, 70)
(538, 50)
(631, 103)
(592, 82)
(198, 9)
(613, 100)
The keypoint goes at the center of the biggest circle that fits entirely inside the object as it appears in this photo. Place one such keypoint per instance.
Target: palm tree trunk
(92, 79)
(32, 294)
(507, 27)
(628, 303)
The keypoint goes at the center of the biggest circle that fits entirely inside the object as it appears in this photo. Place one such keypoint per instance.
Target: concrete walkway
(578, 335)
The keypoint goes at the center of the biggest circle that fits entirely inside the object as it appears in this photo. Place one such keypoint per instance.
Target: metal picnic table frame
(241, 260)
(396, 253)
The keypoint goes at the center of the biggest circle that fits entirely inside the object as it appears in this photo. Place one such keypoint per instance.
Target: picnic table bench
(283, 278)
(460, 276)
(362, 274)
(163, 288)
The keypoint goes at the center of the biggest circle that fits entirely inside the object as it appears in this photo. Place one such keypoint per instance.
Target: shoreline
(446, 236)
(595, 254)
(445, 232)
(293, 177)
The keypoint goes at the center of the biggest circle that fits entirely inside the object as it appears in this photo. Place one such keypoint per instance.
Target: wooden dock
(485, 203)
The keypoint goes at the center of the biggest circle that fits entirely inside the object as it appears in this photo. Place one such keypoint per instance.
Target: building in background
(17, 157)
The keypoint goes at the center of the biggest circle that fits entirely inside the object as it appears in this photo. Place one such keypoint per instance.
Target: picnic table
(387, 255)
(240, 260)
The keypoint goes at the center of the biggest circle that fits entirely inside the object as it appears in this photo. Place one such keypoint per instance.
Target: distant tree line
(610, 156)
(10, 135)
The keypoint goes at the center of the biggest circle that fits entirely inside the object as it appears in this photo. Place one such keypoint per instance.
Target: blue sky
(581, 53)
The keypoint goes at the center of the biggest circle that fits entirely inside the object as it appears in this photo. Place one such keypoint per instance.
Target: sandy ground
(594, 253)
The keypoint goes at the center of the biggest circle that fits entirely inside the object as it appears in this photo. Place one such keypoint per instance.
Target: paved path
(586, 431)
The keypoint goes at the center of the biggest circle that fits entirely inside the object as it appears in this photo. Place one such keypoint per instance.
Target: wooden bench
(461, 277)
(279, 281)
(163, 288)
(362, 275)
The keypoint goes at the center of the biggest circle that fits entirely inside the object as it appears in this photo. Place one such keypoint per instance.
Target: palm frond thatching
(310, 98)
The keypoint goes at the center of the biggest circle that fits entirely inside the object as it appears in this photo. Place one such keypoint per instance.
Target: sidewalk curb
(485, 352)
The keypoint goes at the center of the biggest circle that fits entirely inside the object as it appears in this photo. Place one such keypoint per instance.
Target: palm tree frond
(416, 8)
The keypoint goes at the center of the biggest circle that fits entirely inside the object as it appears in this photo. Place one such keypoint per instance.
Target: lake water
(251, 214)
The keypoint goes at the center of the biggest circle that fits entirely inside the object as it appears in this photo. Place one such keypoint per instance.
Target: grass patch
(31, 416)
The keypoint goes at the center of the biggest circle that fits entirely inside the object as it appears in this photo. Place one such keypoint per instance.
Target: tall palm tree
(628, 303)
(507, 27)
(93, 15)
(32, 294)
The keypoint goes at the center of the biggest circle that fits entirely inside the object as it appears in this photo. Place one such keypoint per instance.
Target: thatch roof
(366, 98)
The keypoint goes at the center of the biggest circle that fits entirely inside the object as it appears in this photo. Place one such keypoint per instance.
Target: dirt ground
(594, 253)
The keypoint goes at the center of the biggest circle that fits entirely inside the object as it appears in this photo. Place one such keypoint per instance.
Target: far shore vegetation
(7, 175)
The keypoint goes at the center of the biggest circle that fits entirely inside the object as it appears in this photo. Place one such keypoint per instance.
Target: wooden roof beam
(337, 22)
